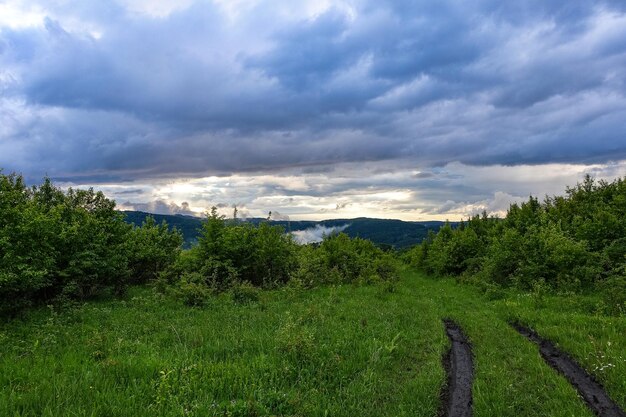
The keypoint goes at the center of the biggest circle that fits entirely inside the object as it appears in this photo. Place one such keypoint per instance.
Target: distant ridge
(383, 232)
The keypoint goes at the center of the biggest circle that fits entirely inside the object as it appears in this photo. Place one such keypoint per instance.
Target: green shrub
(151, 249)
(386, 267)
(193, 290)
(310, 269)
(219, 275)
(569, 243)
(232, 251)
(54, 243)
(244, 293)
(340, 259)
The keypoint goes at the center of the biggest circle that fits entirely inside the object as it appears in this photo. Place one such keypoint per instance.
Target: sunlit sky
(417, 110)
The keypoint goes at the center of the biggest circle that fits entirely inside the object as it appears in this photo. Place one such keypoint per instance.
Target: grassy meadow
(329, 351)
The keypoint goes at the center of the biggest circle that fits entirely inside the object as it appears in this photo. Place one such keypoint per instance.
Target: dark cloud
(129, 192)
(123, 95)
(309, 53)
(421, 175)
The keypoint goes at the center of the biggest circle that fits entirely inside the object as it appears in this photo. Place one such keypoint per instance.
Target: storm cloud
(112, 92)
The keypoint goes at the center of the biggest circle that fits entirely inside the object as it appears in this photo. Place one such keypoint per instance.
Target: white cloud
(159, 207)
(452, 192)
(156, 8)
(19, 14)
(317, 233)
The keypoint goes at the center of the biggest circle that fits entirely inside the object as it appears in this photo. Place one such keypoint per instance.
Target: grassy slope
(330, 351)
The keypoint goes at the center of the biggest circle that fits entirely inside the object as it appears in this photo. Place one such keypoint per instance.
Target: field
(329, 351)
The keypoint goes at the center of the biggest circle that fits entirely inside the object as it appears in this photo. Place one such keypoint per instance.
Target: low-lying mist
(317, 233)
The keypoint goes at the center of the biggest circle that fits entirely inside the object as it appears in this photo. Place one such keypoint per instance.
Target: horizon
(286, 219)
(416, 111)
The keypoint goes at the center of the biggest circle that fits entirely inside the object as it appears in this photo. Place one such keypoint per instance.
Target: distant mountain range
(383, 232)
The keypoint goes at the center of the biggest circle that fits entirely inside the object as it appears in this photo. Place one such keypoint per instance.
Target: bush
(231, 251)
(240, 257)
(339, 259)
(244, 293)
(310, 269)
(569, 243)
(193, 290)
(152, 248)
(72, 245)
(219, 275)
(386, 268)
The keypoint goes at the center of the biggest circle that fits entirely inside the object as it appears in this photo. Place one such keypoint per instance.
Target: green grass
(334, 351)
(574, 324)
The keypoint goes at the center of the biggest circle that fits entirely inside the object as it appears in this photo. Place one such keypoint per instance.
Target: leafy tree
(566, 242)
(151, 249)
(229, 252)
(26, 252)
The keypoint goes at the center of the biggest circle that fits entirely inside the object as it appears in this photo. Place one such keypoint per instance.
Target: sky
(417, 110)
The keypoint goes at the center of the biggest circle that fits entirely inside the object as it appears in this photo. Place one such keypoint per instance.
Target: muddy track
(457, 394)
(591, 391)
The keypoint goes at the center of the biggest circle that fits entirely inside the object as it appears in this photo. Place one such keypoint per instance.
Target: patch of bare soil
(457, 394)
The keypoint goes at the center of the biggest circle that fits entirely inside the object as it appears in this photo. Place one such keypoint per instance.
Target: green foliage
(567, 243)
(193, 290)
(244, 293)
(295, 339)
(72, 245)
(75, 245)
(344, 260)
(187, 225)
(385, 267)
(236, 256)
(614, 295)
(26, 245)
(311, 268)
(152, 248)
(230, 252)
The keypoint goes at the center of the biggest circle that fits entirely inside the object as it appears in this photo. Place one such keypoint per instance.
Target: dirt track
(457, 397)
(592, 392)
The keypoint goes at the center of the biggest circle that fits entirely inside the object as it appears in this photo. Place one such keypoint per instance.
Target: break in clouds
(412, 109)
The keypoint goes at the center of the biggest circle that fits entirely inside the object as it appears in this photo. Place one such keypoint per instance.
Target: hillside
(397, 233)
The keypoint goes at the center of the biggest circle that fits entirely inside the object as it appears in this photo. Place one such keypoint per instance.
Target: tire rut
(590, 390)
(457, 394)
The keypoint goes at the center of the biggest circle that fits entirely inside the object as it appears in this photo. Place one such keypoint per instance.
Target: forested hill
(397, 233)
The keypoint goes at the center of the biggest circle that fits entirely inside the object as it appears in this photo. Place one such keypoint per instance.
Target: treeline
(569, 243)
(74, 245)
